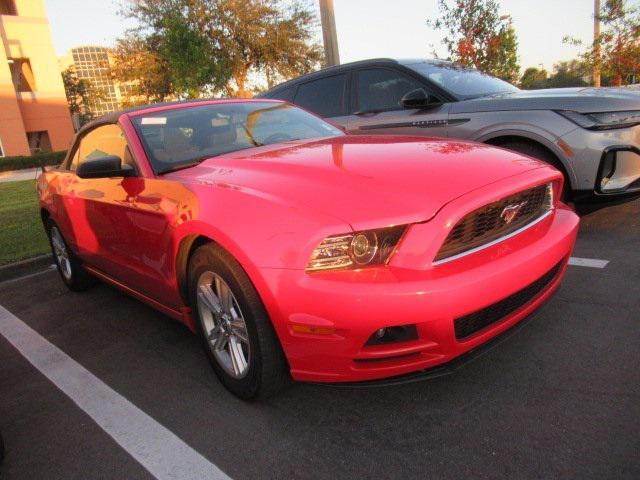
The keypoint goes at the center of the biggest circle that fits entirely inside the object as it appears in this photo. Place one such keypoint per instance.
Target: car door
(377, 106)
(119, 224)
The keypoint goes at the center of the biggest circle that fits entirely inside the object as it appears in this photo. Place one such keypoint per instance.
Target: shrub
(22, 162)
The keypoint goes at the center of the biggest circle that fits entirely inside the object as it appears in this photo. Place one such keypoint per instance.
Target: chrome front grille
(496, 221)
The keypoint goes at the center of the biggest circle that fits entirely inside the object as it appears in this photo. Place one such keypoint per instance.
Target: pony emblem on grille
(511, 211)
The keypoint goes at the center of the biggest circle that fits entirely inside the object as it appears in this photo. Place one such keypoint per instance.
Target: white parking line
(588, 262)
(29, 275)
(155, 447)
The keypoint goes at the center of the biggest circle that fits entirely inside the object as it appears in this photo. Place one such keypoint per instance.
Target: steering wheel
(277, 137)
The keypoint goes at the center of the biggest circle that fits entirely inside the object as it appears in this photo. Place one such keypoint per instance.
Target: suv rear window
(324, 96)
(285, 94)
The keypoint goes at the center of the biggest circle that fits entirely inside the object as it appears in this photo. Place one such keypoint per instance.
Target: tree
(194, 65)
(138, 64)
(618, 44)
(174, 60)
(476, 35)
(534, 78)
(565, 74)
(239, 38)
(81, 95)
(569, 74)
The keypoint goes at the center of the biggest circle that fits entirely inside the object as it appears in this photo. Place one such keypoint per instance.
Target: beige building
(34, 115)
(93, 63)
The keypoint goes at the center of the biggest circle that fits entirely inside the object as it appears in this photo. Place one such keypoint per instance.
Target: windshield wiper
(182, 166)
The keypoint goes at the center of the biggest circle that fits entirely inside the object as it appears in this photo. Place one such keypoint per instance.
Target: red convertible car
(297, 251)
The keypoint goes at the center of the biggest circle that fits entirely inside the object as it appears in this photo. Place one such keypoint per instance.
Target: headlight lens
(353, 250)
(603, 120)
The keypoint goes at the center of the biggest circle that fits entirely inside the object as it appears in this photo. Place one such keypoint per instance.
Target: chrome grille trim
(492, 220)
(494, 242)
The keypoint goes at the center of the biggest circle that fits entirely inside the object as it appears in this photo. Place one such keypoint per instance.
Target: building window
(39, 142)
(8, 7)
(92, 64)
(22, 75)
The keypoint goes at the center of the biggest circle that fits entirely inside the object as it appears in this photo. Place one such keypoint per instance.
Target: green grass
(19, 163)
(21, 232)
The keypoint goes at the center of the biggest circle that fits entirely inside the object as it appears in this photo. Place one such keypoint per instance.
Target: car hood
(584, 100)
(366, 181)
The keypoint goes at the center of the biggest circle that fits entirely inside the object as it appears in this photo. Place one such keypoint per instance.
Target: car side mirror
(104, 167)
(418, 98)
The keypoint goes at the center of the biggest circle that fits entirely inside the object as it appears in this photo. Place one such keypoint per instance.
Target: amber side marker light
(309, 329)
(565, 148)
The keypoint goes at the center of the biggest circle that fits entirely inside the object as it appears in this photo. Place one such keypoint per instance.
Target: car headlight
(602, 120)
(357, 249)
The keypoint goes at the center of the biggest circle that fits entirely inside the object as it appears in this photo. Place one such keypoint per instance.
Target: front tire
(69, 266)
(234, 327)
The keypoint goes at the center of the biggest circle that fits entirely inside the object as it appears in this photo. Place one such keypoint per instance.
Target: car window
(463, 82)
(324, 97)
(182, 137)
(286, 94)
(101, 142)
(382, 89)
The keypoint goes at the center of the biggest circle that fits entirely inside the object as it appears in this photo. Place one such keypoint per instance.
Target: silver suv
(591, 135)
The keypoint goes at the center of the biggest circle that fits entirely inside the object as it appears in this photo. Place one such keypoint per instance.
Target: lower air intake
(476, 321)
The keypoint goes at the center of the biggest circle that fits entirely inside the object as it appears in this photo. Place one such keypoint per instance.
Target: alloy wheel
(61, 253)
(224, 325)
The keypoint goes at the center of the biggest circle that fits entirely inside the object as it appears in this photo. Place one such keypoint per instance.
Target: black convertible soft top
(113, 117)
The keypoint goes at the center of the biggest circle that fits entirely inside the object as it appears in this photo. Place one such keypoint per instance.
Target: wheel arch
(186, 248)
(500, 138)
(189, 243)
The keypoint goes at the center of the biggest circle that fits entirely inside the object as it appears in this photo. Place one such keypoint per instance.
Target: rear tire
(541, 153)
(232, 324)
(74, 276)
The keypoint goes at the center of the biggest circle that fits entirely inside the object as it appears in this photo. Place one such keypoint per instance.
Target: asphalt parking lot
(560, 398)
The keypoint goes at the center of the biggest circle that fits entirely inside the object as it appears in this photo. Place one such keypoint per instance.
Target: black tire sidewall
(68, 282)
(210, 258)
(80, 279)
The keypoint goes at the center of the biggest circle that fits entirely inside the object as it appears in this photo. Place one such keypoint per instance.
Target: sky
(366, 28)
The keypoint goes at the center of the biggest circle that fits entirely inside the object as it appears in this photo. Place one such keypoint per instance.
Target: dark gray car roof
(345, 66)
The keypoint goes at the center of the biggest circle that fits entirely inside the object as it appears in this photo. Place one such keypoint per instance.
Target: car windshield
(463, 83)
(184, 136)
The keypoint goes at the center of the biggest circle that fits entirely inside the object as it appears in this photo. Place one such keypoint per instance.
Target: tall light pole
(329, 33)
(596, 43)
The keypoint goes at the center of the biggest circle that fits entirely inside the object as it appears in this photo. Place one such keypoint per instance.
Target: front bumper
(605, 163)
(619, 171)
(348, 306)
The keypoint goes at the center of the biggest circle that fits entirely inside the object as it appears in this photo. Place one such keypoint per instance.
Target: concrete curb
(9, 176)
(24, 267)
